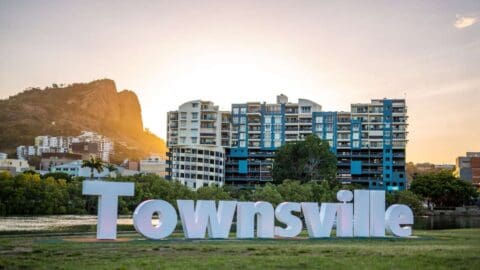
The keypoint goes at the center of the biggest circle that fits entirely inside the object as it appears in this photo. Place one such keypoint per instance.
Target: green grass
(447, 249)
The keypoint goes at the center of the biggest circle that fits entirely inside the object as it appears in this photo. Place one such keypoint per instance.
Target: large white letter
(377, 213)
(196, 221)
(361, 215)
(108, 193)
(344, 214)
(167, 219)
(246, 212)
(396, 216)
(319, 224)
(283, 213)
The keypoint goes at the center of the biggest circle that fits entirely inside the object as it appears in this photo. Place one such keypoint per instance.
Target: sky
(332, 52)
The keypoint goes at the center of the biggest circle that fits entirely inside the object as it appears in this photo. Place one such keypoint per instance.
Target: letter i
(344, 214)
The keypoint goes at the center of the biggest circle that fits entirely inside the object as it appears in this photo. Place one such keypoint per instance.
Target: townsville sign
(365, 217)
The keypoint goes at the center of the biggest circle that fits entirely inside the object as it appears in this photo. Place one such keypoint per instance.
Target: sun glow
(230, 75)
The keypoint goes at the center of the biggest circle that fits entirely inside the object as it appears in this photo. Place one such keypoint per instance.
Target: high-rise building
(369, 141)
(197, 134)
(258, 129)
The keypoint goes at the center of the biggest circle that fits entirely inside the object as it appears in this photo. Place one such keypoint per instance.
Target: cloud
(465, 21)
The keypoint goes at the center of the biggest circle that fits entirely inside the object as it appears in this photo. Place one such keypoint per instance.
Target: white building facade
(196, 136)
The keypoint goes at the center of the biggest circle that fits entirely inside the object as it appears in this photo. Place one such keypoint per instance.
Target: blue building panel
(243, 166)
(356, 167)
(239, 152)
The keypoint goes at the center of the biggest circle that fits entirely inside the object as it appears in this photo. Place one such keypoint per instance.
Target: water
(446, 222)
(44, 223)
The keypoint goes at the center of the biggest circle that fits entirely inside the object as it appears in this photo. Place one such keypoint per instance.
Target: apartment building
(69, 144)
(197, 134)
(258, 129)
(369, 140)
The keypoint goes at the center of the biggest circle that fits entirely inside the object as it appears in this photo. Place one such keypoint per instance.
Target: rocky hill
(94, 106)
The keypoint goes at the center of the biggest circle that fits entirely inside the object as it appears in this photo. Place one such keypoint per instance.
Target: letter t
(108, 193)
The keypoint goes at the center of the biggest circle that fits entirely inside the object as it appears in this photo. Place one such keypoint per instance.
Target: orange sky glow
(334, 53)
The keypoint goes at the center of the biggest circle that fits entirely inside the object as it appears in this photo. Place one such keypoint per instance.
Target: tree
(442, 189)
(212, 192)
(268, 193)
(294, 191)
(406, 197)
(93, 163)
(305, 161)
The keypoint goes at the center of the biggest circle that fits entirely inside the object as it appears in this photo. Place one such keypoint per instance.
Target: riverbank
(443, 249)
(87, 223)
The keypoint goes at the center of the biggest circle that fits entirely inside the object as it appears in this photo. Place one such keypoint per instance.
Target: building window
(194, 105)
(194, 115)
(305, 109)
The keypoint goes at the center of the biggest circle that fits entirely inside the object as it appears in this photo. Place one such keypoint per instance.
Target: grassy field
(447, 249)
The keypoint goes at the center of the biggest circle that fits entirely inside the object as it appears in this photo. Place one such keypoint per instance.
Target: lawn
(447, 249)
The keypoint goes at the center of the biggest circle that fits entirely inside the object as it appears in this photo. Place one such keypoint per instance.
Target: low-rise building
(154, 164)
(75, 168)
(49, 160)
(13, 166)
(467, 168)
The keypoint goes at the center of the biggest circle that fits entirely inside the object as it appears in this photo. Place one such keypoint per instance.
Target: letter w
(196, 221)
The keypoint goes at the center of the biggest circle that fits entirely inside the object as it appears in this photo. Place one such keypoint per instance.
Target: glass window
(305, 109)
(318, 119)
(194, 115)
(235, 110)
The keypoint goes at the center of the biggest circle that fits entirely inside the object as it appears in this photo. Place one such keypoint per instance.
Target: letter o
(142, 219)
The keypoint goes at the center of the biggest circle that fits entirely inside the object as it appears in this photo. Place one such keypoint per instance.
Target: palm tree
(111, 168)
(94, 164)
